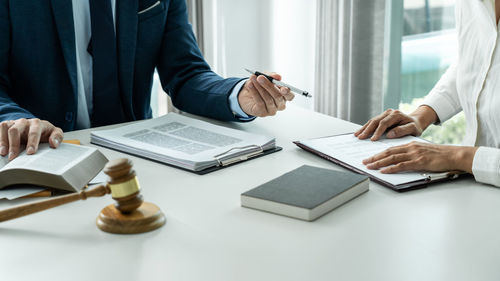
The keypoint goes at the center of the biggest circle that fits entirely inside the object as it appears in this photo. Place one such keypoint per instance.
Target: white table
(449, 231)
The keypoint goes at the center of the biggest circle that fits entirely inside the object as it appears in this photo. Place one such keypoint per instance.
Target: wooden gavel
(128, 215)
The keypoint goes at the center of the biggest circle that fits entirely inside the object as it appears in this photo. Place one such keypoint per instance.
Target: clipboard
(221, 165)
(185, 143)
(447, 176)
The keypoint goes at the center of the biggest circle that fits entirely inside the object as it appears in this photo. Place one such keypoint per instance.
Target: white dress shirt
(81, 18)
(472, 84)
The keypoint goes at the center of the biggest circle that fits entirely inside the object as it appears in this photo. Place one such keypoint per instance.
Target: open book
(186, 143)
(69, 167)
(349, 152)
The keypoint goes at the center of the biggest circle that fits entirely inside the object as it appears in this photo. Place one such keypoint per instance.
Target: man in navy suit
(67, 65)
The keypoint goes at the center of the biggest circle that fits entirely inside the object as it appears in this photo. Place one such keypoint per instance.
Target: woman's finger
(389, 160)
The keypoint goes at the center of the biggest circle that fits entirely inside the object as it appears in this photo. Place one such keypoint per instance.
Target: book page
(4, 160)
(15, 192)
(183, 138)
(49, 160)
(180, 137)
(351, 150)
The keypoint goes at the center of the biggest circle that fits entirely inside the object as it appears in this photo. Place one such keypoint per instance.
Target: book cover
(306, 192)
(69, 167)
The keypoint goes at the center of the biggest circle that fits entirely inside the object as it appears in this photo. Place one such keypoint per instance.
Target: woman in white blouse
(471, 84)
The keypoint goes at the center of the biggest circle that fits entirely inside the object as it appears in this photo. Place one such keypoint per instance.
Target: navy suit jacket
(38, 61)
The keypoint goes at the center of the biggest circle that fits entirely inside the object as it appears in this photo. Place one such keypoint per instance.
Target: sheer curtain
(350, 58)
(332, 48)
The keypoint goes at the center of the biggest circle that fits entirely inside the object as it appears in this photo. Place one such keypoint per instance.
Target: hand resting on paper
(415, 156)
(420, 156)
(259, 97)
(30, 132)
(396, 124)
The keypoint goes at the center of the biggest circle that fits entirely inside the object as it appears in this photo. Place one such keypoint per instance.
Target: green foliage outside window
(428, 48)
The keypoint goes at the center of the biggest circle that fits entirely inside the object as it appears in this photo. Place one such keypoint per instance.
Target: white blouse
(472, 84)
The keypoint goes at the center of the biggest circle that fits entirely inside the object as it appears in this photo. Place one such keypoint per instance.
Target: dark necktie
(107, 104)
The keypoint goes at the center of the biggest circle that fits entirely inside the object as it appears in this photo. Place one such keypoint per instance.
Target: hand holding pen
(260, 97)
(280, 84)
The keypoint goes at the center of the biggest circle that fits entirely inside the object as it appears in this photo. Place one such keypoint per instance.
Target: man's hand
(259, 97)
(397, 124)
(14, 133)
(419, 156)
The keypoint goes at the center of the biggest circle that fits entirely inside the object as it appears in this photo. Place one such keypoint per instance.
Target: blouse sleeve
(443, 98)
(486, 165)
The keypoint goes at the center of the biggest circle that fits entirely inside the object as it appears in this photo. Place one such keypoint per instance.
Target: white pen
(281, 84)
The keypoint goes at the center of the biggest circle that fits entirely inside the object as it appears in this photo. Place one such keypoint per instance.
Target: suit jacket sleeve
(9, 110)
(185, 75)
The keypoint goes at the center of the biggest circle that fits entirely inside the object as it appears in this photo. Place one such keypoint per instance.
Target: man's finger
(287, 94)
(274, 75)
(268, 100)
(257, 106)
(4, 137)
(56, 137)
(15, 133)
(34, 134)
(273, 91)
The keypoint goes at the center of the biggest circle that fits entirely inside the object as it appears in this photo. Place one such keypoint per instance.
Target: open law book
(348, 151)
(185, 142)
(69, 167)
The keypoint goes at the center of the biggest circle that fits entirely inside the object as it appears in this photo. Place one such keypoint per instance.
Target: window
(428, 47)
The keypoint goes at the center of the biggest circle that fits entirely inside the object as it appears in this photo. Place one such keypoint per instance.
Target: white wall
(266, 35)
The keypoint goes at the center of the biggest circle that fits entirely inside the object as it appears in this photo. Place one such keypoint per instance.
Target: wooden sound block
(146, 218)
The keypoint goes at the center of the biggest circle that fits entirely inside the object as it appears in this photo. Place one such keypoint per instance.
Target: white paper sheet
(351, 150)
(11, 193)
(181, 141)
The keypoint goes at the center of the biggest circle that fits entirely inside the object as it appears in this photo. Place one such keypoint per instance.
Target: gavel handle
(30, 208)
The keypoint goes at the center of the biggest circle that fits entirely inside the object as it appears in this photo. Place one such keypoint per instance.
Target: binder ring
(239, 158)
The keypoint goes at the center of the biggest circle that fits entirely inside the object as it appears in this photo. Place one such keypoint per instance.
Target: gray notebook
(306, 193)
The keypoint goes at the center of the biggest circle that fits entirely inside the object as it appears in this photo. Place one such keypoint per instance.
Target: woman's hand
(419, 156)
(397, 124)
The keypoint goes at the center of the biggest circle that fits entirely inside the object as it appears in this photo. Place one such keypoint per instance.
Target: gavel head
(124, 185)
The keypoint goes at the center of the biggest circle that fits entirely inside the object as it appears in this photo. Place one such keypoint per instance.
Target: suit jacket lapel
(63, 17)
(126, 12)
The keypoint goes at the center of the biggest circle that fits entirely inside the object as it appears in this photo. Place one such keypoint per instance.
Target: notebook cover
(306, 187)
